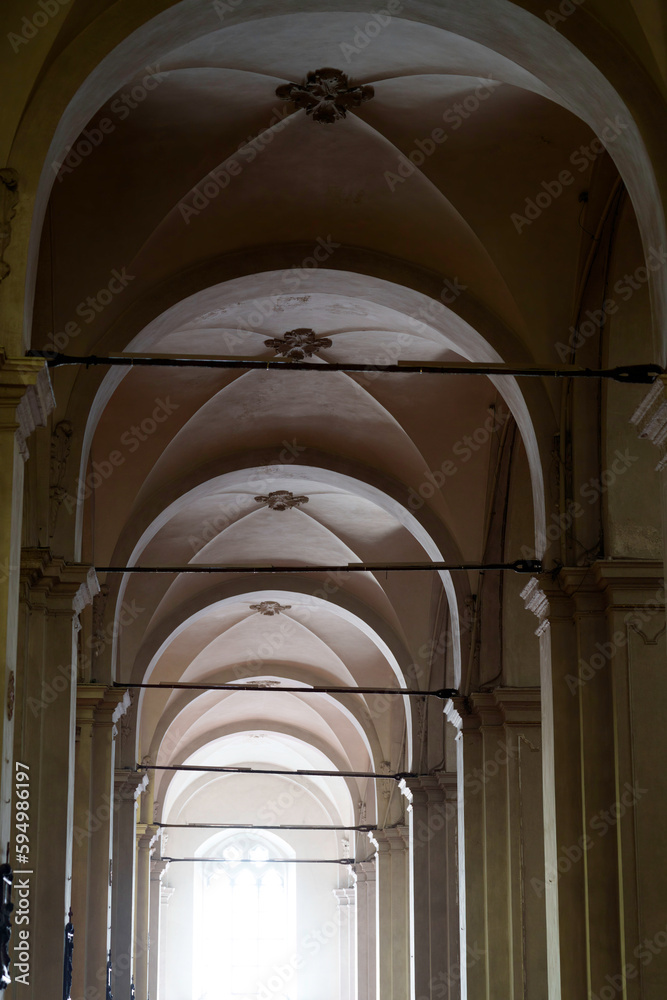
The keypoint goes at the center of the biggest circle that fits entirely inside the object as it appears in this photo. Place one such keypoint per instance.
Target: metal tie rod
(519, 566)
(636, 374)
(270, 861)
(442, 693)
(363, 828)
(399, 776)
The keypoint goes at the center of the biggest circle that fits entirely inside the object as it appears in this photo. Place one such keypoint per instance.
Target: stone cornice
(158, 867)
(130, 781)
(25, 387)
(508, 706)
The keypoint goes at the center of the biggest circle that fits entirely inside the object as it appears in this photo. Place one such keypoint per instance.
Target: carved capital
(25, 391)
(9, 196)
(85, 594)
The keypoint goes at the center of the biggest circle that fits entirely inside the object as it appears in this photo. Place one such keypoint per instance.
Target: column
(128, 788)
(432, 824)
(158, 868)
(55, 595)
(393, 933)
(26, 399)
(103, 809)
(346, 943)
(366, 909)
(562, 794)
(147, 837)
(166, 893)
(87, 698)
(501, 874)
(608, 862)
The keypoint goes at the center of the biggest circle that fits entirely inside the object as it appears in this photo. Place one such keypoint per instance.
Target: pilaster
(26, 399)
(366, 948)
(500, 846)
(393, 934)
(54, 594)
(129, 786)
(605, 696)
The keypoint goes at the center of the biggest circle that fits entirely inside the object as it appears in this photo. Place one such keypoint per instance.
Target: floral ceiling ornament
(325, 94)
(281, 500)
(298, 344)
(270, 607)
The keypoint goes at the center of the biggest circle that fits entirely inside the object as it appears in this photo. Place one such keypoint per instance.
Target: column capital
(458, 713)
(147, 836)
(26, 396)
(425, 790)
(508, 706)
(130, 784)
(392, 838)
(345, 897)
(88, 697)
(158, 867)
(54, 579)
(166, 892)
(650, 419)
(364, 871)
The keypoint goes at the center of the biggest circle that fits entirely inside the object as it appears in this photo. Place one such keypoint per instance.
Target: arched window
(245, 935)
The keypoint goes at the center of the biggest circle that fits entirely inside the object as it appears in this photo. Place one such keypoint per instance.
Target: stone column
(366, 909)
(346, 943)
(147, 837)
(609, 695)
(88, 697)
(432, 820)
(393, 933)
(562, 793)
(128, 788)
(502, 913)
(55, 595)
(26, 399)
(166, 893)
(158, 868)
(103, 809)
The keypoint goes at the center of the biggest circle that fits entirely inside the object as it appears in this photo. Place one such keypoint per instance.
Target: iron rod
(399, 776)
(635, 374)
(519, 566)
(442, 693)
(270, 861)
(363, 828)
